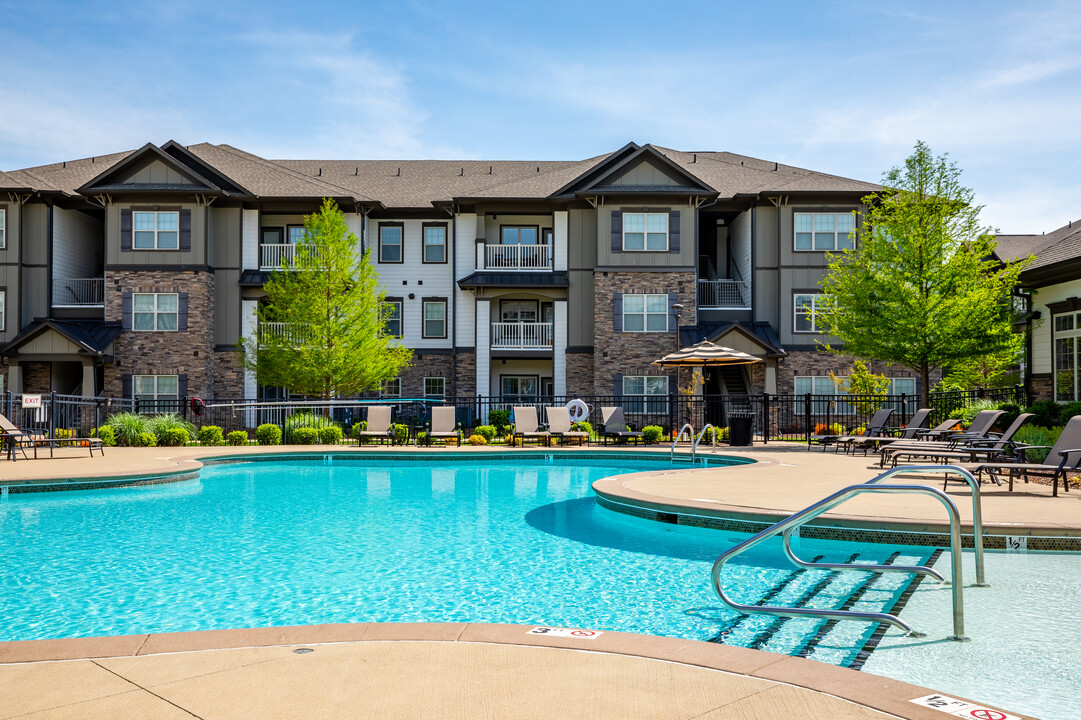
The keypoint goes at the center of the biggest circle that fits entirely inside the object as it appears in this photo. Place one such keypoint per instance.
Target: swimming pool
(377, 539)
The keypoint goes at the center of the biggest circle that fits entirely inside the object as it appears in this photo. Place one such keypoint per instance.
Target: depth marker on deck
(566, 632)
(961, 708)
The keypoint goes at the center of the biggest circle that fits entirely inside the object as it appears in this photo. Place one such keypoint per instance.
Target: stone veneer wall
(163, 353)
(821, 363)
(37, 377)
(580, 374)
(428, 365)
(465, 374)
(633, 353)
(1042, 387)
(227, 381)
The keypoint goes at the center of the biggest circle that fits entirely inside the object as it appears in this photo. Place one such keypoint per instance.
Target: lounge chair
(896, 434)
(1064, 456)
(444, 425)
(875, 426)
(926, 446)
(559, 425)
(989, 447)
(527, 427)
(378, 427)
(614, 425)
(14, 439)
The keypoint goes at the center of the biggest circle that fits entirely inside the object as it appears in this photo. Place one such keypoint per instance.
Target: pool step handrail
(694, 448)
(811, 512)
(675, 440)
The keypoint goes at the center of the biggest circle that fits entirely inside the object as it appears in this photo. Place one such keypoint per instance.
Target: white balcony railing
(518, 257)
(727, 294)
(79, 292)
(522, 335)
(274, 256)
(295, 335)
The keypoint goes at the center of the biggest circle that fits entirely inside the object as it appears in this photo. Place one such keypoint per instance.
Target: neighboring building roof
(1050, 248)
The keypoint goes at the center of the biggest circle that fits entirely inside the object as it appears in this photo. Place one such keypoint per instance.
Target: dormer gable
(636, 169)
(151, 169)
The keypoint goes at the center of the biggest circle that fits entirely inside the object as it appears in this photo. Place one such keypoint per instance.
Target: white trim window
(435, 319)
(1067, 337)
(645, 313)
(824, 231)
(154, 312)
(155, 230)
(518, 386)
(392, 318)
(435, 388)
(645, 231)
(391, 388)
(805, 313)
(154, 388)
(646, 394)
(3, 229)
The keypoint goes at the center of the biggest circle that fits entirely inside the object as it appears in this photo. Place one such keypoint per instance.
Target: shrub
(62, 434)
(834, 429)
(1068, 411)
(146, 439)
(127, 427)
(509, 439)
(1046, 413)
(107, 435)
(210, 435)
(303, 419)
(237, 437)
(422, 438)
(487, 432)
(969, 412)
(160, 424)
(173, 437)
(721, 433)
(584, 426)
(477, 440)
(305, 436)
(1009, 414)
(401, 433)
(268, 434)
(1033, 435)
(652, 434)
(330, 435)
(499, 419)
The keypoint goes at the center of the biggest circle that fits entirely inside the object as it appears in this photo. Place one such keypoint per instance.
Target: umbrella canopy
(705, 354)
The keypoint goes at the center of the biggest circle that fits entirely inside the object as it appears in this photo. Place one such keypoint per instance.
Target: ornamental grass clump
(166, 423)
(127, 426)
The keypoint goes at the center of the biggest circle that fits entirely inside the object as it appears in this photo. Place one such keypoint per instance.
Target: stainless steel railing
(675, 440)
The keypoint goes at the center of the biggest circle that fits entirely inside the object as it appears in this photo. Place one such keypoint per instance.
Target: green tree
(321, 327)
(862, 382)
(922, 287)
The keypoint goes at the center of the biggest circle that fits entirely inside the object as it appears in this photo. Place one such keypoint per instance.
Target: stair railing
(686, 426)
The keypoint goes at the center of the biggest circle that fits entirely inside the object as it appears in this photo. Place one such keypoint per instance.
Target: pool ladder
(791, 524)
(694, 446)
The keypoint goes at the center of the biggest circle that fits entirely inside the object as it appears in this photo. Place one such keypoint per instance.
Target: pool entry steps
(797, 608)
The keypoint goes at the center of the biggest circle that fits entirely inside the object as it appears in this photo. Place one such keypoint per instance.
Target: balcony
(78, 292)
(517, 257)
(278, 255)
(724, 294)
(522, 335)
(294, 335)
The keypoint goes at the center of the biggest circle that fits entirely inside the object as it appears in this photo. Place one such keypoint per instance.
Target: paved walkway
(451, 671)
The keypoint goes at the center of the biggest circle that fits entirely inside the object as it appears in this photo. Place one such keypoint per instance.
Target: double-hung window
(645, 231)
(825, 231)
(435, 319)
(1067, 337)
(392, 317)
(435, 387)
(390, 242)
(645, 313)
(518, 386)
(392, 388)
(156, 230)
(152, 389)
(435, 243)
(296, 234)
(3, 229)
(154, 312)
(805, 317)
(645, 394)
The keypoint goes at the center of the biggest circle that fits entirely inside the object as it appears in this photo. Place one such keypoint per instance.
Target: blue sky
(845, 87)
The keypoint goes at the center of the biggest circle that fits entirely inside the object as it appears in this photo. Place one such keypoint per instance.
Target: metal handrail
(694, 448)
(686, 426)
(977, 527)
(827, 503)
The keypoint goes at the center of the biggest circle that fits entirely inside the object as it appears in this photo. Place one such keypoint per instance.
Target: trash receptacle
(740, 428)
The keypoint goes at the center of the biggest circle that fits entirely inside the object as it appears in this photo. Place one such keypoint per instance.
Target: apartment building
(136, 273)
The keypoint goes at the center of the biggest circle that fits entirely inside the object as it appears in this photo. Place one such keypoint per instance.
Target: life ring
(197, 407)
(578, 410)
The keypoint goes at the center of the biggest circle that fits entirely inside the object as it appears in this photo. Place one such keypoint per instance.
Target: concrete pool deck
(470, 670)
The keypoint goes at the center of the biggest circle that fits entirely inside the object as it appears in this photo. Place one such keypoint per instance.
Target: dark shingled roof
(515, 279)
(92, 335)
(1050, 249)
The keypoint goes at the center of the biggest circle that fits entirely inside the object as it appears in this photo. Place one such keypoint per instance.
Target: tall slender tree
(921, 287)
(321, 326)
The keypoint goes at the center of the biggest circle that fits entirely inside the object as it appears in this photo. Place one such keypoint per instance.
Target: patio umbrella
(706, 354)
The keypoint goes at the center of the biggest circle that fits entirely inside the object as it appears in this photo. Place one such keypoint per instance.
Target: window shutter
(617, 312)
(185, 230)
(673, 298)
(673, 231)
(672, 385)
(125, 312)
(182, 387)
(182, 312)
(125, 230)
(125, 381)
(617, 388)
(617, 231)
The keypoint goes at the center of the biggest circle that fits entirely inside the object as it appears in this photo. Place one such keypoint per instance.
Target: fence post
(765, 404)
(807, 413)
(904, 410)
(52, 413)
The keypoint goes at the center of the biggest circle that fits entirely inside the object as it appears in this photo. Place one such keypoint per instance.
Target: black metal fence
(774, 417)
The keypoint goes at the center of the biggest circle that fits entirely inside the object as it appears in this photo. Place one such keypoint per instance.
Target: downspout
(754, 264)
(49, 260)
(453, 249)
